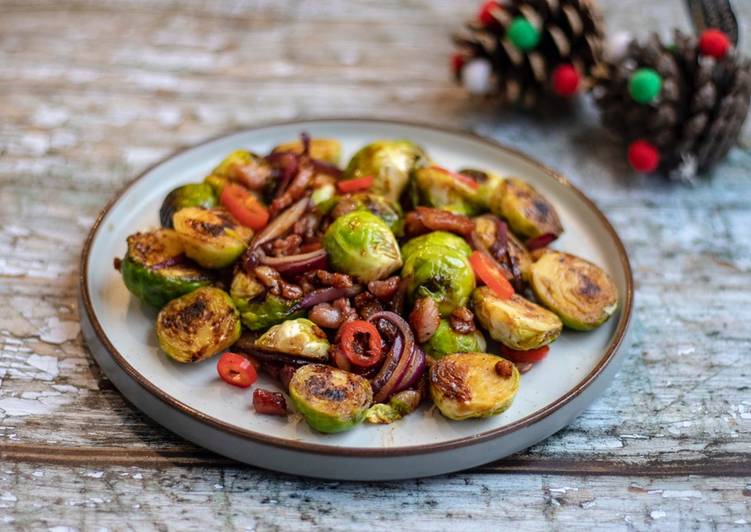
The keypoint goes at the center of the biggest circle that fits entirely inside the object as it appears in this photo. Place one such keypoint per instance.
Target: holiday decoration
(679, 106)
(524, 51)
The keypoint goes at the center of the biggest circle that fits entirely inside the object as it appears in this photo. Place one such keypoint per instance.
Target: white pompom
(476, 76)
(617, 45)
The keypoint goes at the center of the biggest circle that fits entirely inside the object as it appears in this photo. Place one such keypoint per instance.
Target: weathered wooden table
(93, 92)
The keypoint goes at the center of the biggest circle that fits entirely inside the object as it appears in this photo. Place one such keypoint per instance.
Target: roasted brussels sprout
(224, 172)
(328, 150)
(439, 188)
(330, 400)
(260, 315)
(527, 212)
(192, 195)
(243, 289)
(582, 294)
(436, 240)
(435, 270)
(390, 162)
(469, 385)
(153, 272)
(195, 326)
(387, 210)
(362, 245)
(488, 183)
(211, 237)
(485, 229)
(299, 338)
(446, 341)
(516, 323)
(400, 404)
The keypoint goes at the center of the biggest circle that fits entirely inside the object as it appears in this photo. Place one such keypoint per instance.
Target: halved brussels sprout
(260, 315)
(527, 212)
(435, 241)
(441, 189)
(191, 195)
(488, 181)
(582, 294)
(195, 326)
(517, 322)
(390, 162)
(362, 245)
(211, 237)
(330, 399)
(223, 173)
(400, 404)
(300, 338)
(446, 341)
(469, 385)
(243, 289)
(485, 229)
(328, 150)
(435, 270)
(149, 270)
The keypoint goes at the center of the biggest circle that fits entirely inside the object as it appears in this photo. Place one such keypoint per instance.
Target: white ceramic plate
(191, 400)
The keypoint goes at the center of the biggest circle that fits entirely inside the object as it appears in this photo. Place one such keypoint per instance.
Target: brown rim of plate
(535, 417)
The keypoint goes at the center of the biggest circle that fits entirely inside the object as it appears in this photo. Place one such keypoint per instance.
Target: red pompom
(565, 80)
(485, 14)
(643, 156)
(457, 63)
(714, 43)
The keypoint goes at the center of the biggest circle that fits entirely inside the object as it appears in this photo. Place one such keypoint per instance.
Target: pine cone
(680, 107)
(523, 51)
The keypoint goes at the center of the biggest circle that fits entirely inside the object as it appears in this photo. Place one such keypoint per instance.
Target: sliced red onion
(280, 224)
(397, 359)
(413, 372)
(322, 167)
(540, 241)
(324, 295)
(499, 247)
(291, 264)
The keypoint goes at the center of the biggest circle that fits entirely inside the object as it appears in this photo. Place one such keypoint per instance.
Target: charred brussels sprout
(211, 237)
(435, 241)
(195, 326)
(152, 269)
(192, 195)
(516, 322)
(387, 210)
(582, 294)
(442, 272)
(469, 385)
(447, 341)
(488, 183)
(243, 289)
(362, 245)
(330, 400)
(390, 162)
(299, 338)
(485, 229)
(527, 212)
(439, 188)
(327, 150)
(260, 315)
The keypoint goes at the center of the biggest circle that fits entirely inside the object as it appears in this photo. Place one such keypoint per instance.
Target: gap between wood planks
(727, 465)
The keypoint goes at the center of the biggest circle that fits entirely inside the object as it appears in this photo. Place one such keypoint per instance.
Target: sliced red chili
(355, 185)
(489, 273)
(532, 355)
(244, 206)
(269, 403)
(236, 370)
(361, 343)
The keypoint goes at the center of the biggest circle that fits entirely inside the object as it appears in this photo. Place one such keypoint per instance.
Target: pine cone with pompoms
(526, 51)
(679, 107)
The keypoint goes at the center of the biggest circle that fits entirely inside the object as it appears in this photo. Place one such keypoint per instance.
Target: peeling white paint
(94, 474)
(15, 406)
(682, 494)
(55, 331)
(8, 497)
(657, 514)
(45, 363)
(50, 117)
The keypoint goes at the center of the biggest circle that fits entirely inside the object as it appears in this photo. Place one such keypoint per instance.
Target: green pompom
(523, 34)
(645, 85)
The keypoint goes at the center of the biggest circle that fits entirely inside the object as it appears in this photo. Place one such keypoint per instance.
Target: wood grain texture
(91, 92)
